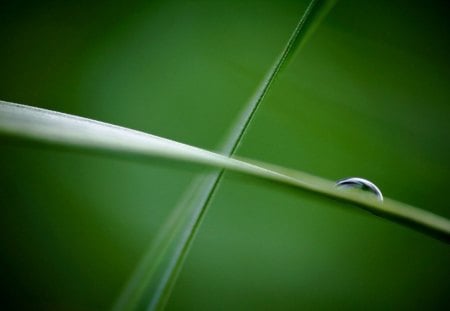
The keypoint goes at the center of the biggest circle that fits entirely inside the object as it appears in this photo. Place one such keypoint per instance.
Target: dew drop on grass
(360, 183)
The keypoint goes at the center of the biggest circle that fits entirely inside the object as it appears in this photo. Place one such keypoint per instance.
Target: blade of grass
(150, 284)
(20, 122)
(311, 18)
(154, 279)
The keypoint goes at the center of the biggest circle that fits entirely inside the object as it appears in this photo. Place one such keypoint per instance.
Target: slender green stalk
(154, 279)
(30, 124)
(311, 18)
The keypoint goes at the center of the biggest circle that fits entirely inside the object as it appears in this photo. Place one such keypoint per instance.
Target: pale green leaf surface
(49, 127)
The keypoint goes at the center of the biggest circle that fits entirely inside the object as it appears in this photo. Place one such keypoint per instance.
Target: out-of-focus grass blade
(311, 18)
(160, 275)
(150, 284)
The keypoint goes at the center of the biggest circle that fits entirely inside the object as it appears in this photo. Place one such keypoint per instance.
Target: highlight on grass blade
(26, 123)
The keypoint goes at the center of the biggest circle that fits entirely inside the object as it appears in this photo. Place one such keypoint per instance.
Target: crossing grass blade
(159, 276)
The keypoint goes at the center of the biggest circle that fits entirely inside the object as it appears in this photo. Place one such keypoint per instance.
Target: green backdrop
(367, 95)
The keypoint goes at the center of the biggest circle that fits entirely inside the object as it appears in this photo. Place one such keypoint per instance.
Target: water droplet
(360, 183)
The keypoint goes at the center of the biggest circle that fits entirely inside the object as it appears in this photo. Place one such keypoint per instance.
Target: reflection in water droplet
(361, 183)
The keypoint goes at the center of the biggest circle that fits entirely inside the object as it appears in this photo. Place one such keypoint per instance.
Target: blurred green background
(368, 95)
